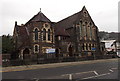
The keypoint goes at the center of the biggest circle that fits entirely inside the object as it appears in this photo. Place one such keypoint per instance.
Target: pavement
(53, 65)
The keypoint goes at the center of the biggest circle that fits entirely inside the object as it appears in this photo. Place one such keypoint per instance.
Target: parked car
(112, 53)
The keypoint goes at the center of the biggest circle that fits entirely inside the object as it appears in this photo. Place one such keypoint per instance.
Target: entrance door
(70, 50)
(26, 53)
(57, 53)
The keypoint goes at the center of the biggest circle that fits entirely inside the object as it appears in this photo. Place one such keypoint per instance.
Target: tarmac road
(102, 69)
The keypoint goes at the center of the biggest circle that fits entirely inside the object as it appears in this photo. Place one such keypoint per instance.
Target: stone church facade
(76, 35)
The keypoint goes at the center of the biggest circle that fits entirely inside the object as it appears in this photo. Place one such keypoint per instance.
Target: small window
(46, 25)
(85, 14)
(86, 46)
(85, 23)
(36, 34)
(48, 34)
(44, 34)
(83, 46)
(90, 46)
(36, 48)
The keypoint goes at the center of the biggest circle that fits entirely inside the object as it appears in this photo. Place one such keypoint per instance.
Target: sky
(103, 12)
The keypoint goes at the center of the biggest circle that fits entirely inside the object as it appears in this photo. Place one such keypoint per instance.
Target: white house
(109, 45)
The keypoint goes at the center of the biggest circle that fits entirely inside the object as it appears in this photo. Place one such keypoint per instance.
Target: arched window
(36, 34)
(48, 34)
(44, 34)
(85, 14)
(86, 46)
(93, 33)
(36, 48)
(83, 48)
(80, 28)
(90, 46)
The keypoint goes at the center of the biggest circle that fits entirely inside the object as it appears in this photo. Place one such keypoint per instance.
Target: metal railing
(19, 62)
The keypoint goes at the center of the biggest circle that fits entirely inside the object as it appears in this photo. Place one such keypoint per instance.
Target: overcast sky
(103, 12)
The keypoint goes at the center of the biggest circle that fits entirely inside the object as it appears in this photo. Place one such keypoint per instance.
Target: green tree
(7, 44)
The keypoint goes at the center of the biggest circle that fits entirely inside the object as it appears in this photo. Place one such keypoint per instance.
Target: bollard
(70, 76)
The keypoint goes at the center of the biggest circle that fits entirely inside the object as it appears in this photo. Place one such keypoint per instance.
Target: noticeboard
(93, 49)
(50, 50)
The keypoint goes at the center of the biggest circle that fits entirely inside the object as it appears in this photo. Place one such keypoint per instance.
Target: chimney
(15, 23)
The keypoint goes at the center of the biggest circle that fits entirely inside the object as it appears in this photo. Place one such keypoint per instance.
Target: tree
(7, 44)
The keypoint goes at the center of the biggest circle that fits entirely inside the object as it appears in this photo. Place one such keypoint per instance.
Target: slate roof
(22, 35)
(39, 17)
(68, 22)
(65, 23)
(22, 31)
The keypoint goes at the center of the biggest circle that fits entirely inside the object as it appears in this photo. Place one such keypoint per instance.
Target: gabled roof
(68, 22)
(65, 23)
(39, 17)
(22, 35)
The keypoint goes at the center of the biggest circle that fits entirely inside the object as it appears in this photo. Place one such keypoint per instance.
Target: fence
(51, 60)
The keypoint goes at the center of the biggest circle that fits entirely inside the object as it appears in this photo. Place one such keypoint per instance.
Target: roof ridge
(70, 16)
(39, 17)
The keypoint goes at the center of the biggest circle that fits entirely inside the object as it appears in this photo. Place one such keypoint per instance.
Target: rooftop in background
(109, 35)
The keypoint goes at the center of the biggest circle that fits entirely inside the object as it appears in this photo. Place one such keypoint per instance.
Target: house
(109, 45)
(33, 38)
(74, 36)
(116, 47)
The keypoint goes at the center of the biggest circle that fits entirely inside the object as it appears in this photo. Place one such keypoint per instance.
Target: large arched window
(36, 34)
(44, 34)
(48, 34)
(80, 28)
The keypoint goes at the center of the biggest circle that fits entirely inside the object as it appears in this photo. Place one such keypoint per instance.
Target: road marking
(111, 70)
(85, 72)
(96, 76)
(70, 76)
(96, 73)
(36, 79)
(114, 68)
(65, 75)
(77, 73)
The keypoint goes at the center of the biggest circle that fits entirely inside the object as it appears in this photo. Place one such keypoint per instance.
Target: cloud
(103, 12)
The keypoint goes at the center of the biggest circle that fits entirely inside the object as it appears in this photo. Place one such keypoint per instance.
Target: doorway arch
(57, 52)
(26, 53)
(70, 50)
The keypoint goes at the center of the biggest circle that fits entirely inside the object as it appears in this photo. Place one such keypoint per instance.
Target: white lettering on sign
(50, 50)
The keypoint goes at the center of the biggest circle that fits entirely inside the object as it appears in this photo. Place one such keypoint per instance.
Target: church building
(74, 36)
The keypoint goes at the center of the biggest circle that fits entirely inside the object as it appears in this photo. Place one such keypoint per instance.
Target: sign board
(94, 49)
(50, 50)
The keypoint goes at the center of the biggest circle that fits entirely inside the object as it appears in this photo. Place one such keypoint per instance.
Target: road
(93, 70)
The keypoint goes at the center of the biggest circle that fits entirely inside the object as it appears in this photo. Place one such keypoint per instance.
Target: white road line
(77, 73)
(65, 74)
(96, 73)
(84, 72)
(96, 76)
(111, 70)
(114, 68)
(36, 79)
